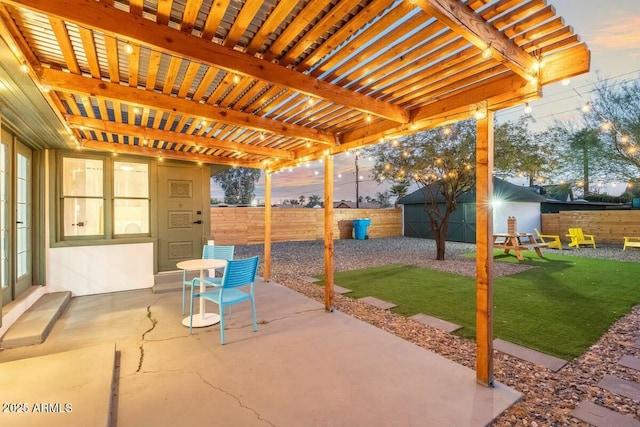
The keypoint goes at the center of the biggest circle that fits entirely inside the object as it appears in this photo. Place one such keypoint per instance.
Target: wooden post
(484, 250)
(328, 233)
(267, 226)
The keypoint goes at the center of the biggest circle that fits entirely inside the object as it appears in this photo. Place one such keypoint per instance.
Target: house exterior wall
(88, 270)
(527, 215)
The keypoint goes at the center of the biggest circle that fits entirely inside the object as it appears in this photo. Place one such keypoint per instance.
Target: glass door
(5, 217)
(23, 224)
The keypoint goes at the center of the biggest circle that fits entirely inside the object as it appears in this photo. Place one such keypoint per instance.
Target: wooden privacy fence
(607, 227)
(245, 226)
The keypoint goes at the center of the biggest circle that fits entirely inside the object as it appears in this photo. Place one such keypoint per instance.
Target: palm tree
(399, 190)
(314, 199)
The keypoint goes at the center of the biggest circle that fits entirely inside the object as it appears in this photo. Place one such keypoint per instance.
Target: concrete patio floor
(304, 367)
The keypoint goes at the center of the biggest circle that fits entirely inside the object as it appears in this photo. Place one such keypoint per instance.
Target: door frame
(201, 202)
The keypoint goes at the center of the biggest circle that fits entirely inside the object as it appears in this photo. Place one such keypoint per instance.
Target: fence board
(241, 226)
(608, 227)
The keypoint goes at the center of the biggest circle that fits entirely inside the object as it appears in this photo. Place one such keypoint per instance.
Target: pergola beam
(163, 135)
(463, 20)
(116, 23)
(160, 153)
(70, 83)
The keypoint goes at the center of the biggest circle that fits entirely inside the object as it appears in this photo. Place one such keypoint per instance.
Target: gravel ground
(549, 397)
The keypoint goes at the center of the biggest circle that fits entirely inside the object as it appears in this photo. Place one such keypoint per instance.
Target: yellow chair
(631, 242)
(552, 240)
(579, 238)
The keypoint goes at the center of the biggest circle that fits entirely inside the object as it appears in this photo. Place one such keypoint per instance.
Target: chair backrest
(240, 272)
(218, 252)
(538, 235)
(577, 233)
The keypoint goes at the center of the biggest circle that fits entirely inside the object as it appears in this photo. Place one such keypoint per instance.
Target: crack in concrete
(237, 399)
(264, 322)
(213, 386)
(154, 322)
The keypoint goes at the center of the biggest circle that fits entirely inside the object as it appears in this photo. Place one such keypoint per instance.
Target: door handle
(198, 221)
(80, 224)
(19, 222)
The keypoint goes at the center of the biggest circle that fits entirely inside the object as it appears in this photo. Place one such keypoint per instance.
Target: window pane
(82, 177)
(22, 263)
(83, 217)
(131, 216)
(130, 179)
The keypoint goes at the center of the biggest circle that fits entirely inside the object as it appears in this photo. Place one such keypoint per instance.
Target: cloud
(618, 35)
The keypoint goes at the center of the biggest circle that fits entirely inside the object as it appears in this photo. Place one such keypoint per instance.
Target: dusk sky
(611, 30)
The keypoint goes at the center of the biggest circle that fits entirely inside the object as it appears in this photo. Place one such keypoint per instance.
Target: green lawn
(561, 307)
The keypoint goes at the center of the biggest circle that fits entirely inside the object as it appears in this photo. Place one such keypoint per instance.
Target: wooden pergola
(271, 84)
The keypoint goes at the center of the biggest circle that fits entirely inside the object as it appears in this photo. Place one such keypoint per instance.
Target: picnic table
(519, 242)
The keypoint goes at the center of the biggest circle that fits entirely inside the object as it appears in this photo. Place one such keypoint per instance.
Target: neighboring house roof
(352, 205)
(502, 189)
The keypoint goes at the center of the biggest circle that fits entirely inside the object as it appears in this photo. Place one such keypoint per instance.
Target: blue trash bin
(360, 228)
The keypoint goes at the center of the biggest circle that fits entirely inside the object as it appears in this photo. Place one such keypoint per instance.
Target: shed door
(180, 215)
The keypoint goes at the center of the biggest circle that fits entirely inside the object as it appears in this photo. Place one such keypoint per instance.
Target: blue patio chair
(208, 252)
(237, 273)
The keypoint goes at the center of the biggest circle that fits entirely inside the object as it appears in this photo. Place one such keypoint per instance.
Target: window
(82, 197)
(130, 198)
(103, 198)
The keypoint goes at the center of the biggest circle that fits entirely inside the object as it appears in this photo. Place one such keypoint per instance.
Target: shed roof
(273, 83)
(504, 190)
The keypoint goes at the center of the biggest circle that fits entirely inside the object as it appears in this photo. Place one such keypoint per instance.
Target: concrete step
(71, 388)
(35, 324)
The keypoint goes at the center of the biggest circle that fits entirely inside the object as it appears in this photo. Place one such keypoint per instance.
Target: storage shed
(508, 200)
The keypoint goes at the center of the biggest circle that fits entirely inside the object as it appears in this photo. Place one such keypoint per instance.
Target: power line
(611, 82)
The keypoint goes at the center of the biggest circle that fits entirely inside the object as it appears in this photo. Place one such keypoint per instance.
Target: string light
(24, 68)
(566, 82)
(527, 108)
(609, 126)
(128, 48)
(479, 110)
(236, 79)
(486, 53)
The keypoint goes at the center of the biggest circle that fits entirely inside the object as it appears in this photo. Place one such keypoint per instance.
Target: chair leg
(221, 324)
(191, 311)
(253, 308)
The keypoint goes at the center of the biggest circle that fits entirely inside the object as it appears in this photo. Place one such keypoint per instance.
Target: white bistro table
(203, 318)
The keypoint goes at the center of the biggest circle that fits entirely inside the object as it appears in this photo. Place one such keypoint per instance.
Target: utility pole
(357, 181)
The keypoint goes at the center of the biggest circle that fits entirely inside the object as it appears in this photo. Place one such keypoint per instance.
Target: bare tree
(441, 162)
